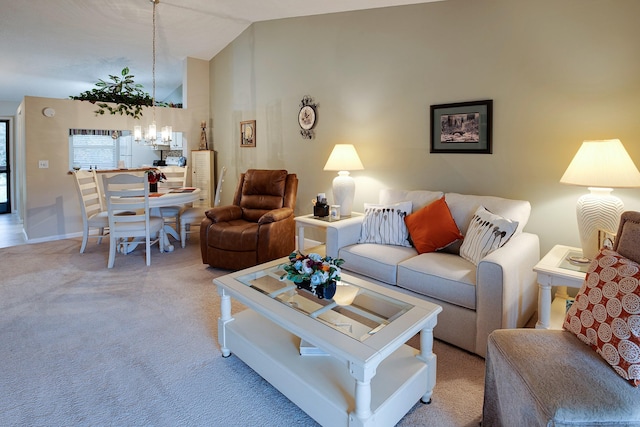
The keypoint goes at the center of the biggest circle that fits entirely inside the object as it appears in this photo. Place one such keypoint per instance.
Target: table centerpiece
(154, 176)
(314, 273)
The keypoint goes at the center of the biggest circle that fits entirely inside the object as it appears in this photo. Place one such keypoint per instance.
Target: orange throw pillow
(432, 227)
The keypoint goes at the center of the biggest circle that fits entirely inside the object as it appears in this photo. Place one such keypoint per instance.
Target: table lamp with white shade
(601, 166)
(344, 158)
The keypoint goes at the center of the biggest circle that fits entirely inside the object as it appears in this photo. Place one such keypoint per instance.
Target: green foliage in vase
(122, 91)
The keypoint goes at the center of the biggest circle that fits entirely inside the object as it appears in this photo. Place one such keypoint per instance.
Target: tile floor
(10, 231)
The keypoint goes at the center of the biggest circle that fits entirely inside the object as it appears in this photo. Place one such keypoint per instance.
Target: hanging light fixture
(152, 132)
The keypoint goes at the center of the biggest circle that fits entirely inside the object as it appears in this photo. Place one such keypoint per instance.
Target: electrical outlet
(43, 164)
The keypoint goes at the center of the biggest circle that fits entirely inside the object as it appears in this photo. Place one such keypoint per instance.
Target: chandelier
(151, 135)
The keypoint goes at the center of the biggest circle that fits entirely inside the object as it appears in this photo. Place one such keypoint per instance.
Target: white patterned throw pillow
(486, 233)
(384, 224)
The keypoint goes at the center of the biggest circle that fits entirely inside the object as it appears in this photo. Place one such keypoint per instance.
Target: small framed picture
(464, 127)
(248, 133)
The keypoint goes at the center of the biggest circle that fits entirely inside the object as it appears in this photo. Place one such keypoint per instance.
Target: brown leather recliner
(258, 227)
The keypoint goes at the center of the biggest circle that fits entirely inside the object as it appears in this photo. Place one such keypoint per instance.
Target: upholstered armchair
(538, 377)
(258, 227)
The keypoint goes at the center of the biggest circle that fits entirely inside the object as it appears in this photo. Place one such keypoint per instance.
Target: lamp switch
(43, 164)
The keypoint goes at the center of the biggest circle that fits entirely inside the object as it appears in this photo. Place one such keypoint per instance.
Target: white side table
(556, 270)
(316, 222)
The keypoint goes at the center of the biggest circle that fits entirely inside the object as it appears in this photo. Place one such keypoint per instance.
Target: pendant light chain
(151, 136)
(153, 58)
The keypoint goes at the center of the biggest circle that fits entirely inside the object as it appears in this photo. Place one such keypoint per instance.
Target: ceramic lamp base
(344, 188)
(598, 210)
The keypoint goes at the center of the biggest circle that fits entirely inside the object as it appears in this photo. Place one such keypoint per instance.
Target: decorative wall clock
(307, 117)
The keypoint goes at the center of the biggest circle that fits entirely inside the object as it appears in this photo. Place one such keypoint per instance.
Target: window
(93, 148)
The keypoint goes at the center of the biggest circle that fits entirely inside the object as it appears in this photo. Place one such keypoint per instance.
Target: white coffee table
(368, 375)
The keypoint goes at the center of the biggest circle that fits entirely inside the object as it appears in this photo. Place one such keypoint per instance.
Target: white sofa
(500, 292)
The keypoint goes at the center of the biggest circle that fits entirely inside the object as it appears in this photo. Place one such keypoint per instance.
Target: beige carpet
(81, 345)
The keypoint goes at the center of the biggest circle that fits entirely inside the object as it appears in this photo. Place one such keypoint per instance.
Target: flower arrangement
(155, 176)
(313, 269)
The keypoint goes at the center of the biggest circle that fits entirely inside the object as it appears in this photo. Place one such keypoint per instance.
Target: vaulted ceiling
(58, 48)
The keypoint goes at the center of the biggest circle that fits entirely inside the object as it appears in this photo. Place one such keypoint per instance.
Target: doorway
(5, 187)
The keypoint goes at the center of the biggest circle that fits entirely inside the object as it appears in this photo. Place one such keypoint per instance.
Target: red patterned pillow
(606, 313)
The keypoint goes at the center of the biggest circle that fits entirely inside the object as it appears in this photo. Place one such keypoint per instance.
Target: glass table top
(354, 311)
(568, 264)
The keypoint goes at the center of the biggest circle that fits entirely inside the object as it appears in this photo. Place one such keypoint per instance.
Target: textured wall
(558, 71)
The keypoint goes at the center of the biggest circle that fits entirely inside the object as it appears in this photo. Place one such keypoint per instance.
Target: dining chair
(176, 177)
(126, 192)
(193, 216)
(94, 215)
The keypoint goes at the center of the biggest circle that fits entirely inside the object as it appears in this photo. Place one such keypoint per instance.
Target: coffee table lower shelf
(322, 385)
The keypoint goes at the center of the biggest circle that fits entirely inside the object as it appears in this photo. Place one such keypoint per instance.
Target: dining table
(169, 197)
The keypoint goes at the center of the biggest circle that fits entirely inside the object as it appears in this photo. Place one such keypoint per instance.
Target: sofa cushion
(606, 313)
(463, 206)
(442, 276)
(418, 198)
(384, 224)
(487, 232)
(376, 261)
(432, 227)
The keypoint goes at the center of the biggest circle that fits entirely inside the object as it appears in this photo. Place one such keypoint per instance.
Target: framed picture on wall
(463, 127)
(248, 133)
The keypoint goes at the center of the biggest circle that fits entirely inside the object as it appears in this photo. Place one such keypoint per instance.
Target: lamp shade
(344, 157)
(602, 164)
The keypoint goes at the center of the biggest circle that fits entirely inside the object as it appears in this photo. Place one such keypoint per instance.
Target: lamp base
(344, 188)
(598, 210)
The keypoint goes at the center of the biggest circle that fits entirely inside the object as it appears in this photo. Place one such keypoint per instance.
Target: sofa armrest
(343, 233)
(506, 289)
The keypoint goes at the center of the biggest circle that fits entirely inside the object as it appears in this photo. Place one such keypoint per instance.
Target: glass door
(4, 167)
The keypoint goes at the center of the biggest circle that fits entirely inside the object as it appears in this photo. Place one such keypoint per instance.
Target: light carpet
(82, 345)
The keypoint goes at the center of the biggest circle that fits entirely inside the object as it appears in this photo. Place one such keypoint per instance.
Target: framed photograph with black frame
(248, 133)
(463, 127)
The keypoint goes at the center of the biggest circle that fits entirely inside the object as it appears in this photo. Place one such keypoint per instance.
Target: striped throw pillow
(486, 233)
(384, 224)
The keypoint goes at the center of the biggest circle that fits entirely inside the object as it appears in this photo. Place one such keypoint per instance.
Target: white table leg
(363, 399)
(544, 306)
(361, 415)
(300, 239)
(225, 317)
(428, 356)
(168, 230)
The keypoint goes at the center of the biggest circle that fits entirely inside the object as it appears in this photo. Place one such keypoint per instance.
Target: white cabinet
(203, 176)
(176, 141)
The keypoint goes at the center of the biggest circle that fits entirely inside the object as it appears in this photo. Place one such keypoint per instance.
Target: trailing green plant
(122, 91)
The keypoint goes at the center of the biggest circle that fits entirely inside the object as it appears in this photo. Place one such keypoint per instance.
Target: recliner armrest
(224, 213)
(275, 215)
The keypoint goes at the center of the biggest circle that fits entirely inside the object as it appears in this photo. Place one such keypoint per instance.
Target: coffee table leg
(225, 317)
(427, 356)
(363, 399)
